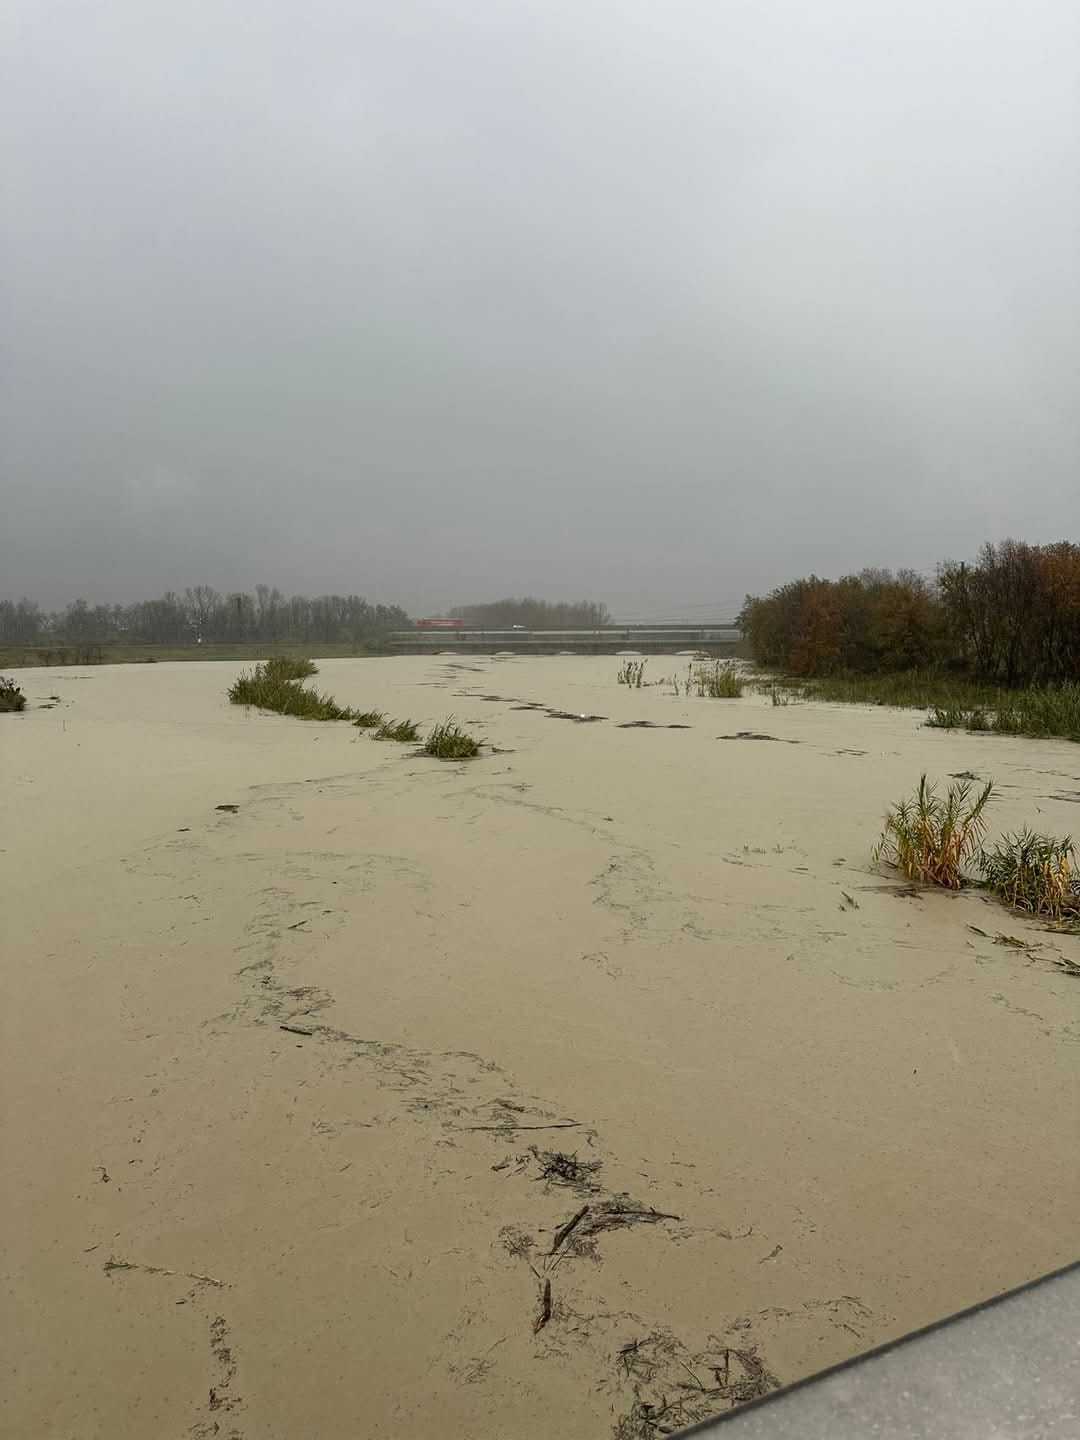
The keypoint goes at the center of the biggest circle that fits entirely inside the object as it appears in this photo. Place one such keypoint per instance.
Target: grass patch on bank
(1053, 712)
(449, 742)
(12, 698)
(906, 689)
(1038, 711)
(267, 690)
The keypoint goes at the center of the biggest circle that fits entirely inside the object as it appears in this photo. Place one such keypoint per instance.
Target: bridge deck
(648, 640)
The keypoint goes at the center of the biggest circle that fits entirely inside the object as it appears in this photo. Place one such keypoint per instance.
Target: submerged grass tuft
(632, 674)
(269, 691)
(449, 742)
(289, 667)
(403, 731)
(369, 719)
(717, 681)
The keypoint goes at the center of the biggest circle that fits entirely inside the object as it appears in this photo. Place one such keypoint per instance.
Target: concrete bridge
(717, 639)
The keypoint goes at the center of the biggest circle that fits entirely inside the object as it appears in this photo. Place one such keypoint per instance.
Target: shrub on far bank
(1036, 873)
(12, 698)
(930, 838)
(449, 742)
(1012, 618)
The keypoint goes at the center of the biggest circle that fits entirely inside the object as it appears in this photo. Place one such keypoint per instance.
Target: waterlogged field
(353, 1090)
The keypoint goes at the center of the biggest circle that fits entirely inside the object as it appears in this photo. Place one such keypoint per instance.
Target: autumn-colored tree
(1011, 618)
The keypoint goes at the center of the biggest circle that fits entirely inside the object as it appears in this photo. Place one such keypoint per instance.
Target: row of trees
(534, 614)
(203, 613)
(1011, 618)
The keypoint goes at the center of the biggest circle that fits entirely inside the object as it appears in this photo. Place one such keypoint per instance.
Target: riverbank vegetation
(993, 645)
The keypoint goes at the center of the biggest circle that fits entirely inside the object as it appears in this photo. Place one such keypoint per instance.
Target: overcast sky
(653, 301)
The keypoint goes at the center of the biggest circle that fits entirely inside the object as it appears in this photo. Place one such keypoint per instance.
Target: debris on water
(558, 1168)
(577, 719)
(756, 735)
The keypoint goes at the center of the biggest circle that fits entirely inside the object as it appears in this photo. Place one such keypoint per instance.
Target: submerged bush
(930, 837)
(404, 731)
(632, 673)
(449, 742)
(289, 667)
(287, 697)
(11, 697)
(1036, 873)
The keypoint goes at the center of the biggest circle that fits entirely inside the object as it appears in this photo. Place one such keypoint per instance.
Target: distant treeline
(1011, 618)
(203, 613)
(534, 614)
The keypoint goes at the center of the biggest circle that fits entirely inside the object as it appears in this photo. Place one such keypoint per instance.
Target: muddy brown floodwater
(595, 1085)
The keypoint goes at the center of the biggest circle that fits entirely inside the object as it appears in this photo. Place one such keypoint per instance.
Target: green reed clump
(1036, 873)
(449, 742)
(930, 838)
(369, 719)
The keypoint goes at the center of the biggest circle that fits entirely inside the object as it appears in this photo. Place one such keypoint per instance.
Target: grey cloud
(652, 302)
